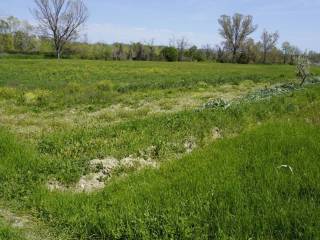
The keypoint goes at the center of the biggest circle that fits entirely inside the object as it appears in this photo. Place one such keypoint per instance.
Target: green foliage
(170, 54)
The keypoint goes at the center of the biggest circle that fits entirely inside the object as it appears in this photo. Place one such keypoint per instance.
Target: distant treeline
(19, 39)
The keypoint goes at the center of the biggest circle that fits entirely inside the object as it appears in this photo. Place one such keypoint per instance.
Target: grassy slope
(230, 189)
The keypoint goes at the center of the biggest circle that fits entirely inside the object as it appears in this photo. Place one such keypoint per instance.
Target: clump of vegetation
(37, 97)
(170, 54)
(269, 92)
(217, 103)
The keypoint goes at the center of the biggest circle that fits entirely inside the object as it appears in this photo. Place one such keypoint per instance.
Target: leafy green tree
(170, 54)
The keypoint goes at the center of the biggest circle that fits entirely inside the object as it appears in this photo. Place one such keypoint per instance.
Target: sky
(298, 21)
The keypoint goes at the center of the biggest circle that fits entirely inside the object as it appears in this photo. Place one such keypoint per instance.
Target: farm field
(155, 150)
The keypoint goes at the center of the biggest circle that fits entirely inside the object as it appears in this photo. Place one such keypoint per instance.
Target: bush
(170, 54)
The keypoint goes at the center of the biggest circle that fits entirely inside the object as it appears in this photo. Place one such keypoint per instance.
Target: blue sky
(298, 21)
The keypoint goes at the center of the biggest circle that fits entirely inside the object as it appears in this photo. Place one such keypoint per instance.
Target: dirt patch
(13, 220)
(101, 171)
(216, 133)
(29, 227)
(190, 144)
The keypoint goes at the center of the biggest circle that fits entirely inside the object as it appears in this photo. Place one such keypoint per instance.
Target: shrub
(170, 54)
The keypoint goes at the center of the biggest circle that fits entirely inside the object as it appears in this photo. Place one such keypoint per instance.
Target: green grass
(229, 190)
(226, 189)
(131, 76)
(7, 233)
(47, 85)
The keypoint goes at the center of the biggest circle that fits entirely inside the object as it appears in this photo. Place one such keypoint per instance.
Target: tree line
(60, 23)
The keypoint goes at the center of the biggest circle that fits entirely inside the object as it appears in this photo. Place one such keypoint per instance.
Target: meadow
(182, 151)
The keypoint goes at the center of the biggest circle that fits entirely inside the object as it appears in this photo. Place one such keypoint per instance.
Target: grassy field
(171, 163)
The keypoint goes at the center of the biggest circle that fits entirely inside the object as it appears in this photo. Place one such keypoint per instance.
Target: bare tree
(268, 42)
(209, 52)
(286, 49)
(290, 53)
(182, 45)
(118, 52)
(60, 20)
(303, 68)
(235, 31)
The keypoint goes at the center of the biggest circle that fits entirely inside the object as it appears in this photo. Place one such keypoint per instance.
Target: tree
(290, 52)
(170, 54)
(303, 68)
(60, 20)
(221, 54)
(151, 50)
(139, 50)
(286, 49)
(252, 50)
(208, 52)
(118, 51)
(195, 54)
(4, 27)
(268, 42)
(235, 30)
(182, 45)
(23, 36)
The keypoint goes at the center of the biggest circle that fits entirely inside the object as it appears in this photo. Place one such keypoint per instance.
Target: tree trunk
(234, 55)
(303, 80)
(264, 57)
(58, 53)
